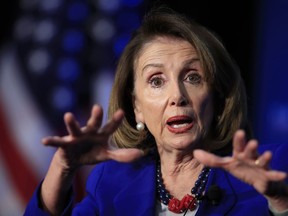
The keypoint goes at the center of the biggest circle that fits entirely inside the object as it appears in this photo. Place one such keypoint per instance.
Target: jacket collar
(139, 196)
(220, 178)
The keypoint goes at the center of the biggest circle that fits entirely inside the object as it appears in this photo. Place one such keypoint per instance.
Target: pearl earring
(140, 126)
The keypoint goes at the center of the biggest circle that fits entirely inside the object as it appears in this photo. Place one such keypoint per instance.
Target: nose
(178, 95)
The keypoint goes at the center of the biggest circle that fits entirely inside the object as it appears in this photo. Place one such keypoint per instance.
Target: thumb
(210, 159)
(125, 155)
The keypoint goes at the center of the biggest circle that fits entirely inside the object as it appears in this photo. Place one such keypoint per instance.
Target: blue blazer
(126, 189)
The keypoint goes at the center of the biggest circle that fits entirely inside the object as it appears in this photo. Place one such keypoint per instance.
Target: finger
(56, 141)
(264, 159)
(113, 123)
(275, 175)
(250, 151)
(211, 160)
(72, 125)
(96, 117)
(125, 155)
(239, 142)
(47, 140)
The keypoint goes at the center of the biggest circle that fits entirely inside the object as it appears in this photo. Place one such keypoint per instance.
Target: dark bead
(197, 190)
(193, 190)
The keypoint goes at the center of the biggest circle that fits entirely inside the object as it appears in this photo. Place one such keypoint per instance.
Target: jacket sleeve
(279, 158)
(279, 162)
(89, 205)
(34, 207)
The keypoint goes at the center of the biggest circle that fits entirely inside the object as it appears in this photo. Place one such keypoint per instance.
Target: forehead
(161, 47)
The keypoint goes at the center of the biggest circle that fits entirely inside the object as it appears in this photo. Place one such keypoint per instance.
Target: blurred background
(60, 55)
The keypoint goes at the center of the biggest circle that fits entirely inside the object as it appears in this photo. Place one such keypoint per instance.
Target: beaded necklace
(188, 202)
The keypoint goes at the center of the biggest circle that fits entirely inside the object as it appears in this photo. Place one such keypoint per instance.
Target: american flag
(60, 58)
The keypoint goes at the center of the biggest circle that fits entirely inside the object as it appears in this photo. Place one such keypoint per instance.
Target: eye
(156, 82)
(193, 78)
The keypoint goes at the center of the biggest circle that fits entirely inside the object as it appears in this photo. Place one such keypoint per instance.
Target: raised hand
(90, 144)
(83, 145)
(247, 165)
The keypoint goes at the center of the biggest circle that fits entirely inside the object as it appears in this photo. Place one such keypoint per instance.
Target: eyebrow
(158, 65)
(191, 61)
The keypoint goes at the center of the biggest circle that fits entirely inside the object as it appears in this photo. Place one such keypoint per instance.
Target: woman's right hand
(90, 144)
(83, 145)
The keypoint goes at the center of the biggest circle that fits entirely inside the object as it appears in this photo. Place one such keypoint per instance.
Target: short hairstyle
(221, 72)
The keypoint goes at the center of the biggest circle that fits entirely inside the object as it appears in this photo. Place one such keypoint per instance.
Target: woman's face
(171, 95)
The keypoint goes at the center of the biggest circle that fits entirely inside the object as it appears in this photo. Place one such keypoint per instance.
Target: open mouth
(179, 124)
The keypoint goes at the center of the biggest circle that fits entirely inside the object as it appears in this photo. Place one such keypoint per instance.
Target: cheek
(151, 104)
(153, 100)
(153, 108)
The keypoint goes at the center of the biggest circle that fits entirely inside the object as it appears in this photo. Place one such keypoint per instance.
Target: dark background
(233, 21)
(253, 31)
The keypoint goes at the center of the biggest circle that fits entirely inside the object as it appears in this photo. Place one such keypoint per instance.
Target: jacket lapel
(138, 197)
(220, 178)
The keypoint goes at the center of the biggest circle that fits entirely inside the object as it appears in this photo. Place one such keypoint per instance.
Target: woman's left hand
(247, 165)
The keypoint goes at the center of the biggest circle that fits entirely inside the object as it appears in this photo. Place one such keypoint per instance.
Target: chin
(188, 143)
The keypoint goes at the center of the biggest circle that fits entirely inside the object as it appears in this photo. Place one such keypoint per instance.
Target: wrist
(56, 186)
(63, 165)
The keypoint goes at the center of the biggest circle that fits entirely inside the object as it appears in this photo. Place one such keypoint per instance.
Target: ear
(137, 109)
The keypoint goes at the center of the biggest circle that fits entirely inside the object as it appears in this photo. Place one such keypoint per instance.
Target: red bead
(178, 206)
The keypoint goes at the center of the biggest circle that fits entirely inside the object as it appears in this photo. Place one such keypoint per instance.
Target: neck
(177, 164)
(179, 174)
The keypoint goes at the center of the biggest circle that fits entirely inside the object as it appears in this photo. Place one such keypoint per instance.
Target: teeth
(179, 125)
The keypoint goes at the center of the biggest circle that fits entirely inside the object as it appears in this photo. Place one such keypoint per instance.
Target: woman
(177, 98)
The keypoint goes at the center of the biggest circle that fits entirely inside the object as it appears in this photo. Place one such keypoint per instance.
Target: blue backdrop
(270, 106)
